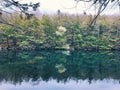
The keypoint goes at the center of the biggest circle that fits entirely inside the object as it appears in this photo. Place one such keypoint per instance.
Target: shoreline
(61, 49)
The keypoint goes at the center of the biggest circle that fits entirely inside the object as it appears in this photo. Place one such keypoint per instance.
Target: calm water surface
(60, 70)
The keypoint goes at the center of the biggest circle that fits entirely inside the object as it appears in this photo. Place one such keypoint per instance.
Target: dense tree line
(61, 31)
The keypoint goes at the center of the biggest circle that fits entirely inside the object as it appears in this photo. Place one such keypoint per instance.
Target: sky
(68, 6)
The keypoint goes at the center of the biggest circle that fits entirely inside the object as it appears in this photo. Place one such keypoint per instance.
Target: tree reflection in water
(62, 66)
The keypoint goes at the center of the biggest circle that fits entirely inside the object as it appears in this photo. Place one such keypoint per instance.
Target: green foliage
(60, 32)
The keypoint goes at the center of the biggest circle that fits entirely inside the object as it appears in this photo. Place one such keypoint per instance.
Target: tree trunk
(8, 44)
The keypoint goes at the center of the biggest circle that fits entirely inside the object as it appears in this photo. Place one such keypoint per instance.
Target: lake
(59, 70)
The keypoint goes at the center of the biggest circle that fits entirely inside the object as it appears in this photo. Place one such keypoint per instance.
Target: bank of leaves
(61, 31)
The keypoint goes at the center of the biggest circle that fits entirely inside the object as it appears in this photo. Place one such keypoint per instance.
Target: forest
(60, 31)
(61, 50)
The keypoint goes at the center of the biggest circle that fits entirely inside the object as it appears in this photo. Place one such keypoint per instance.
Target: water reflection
(18, 66)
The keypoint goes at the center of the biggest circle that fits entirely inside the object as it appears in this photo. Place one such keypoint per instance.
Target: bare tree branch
(102, 6)
(22, 7)
(100, 10)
